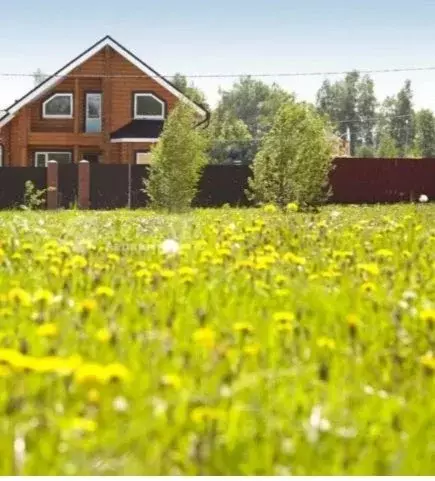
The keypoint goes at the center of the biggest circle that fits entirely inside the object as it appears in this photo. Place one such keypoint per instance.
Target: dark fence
(109, 186)
(353, 180)
(12, 184)
(223, 184)
(363, 180)
(139, 198)
(67, 185)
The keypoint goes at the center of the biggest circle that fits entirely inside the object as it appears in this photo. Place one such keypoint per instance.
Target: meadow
(250, 342)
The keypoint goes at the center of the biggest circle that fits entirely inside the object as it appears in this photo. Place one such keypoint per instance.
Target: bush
(177, 161)
(294, 160)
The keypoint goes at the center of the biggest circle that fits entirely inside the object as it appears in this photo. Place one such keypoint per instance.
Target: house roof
(58, 76)
(139, 129)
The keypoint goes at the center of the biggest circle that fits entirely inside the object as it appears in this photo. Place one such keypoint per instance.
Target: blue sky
(223, 36)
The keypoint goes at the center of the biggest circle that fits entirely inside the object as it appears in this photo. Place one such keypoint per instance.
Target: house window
(42, 158)
(58, 106)
(143, 158)
(1, 155)
(148, 106)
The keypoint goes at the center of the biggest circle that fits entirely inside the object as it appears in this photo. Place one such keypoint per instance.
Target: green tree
(295, 158)
(189, 89)
(387, 146)
(351, 105)
(366, 106)
(229, 139)
(254, 102)
(425, 133)
(176, 161)
(402, 120)
(365, 151)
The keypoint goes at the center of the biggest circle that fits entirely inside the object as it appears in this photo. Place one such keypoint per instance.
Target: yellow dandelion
(428, 362)
(384, 253)
(203, 414)
(325, 343)
(19, 296)
(48, 330)
(251, 349)
(82, 425)
(370, 268)
(56, 365)
(243, 327)
(187, 271)
(283, 317)
(87, 306)
(428, 316)
(205, 336)
(117, 372)
(43, 296)
(353, 320)
(292, 207)
(77, 261)
(368, 287)
(167, 274)
(113, 258)
(103, 335)
(270, 208)
(54, 271)
(90, 373)
(104, 291)
(294, 259)
(171, 380)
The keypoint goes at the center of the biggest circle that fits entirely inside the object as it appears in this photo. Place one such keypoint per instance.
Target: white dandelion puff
(170, 246)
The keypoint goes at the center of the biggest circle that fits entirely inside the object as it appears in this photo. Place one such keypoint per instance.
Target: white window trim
(51, 116)
(127, 140)
(148, 117)
(40, 152)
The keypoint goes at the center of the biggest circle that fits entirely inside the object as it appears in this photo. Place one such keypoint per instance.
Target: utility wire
(220, 75)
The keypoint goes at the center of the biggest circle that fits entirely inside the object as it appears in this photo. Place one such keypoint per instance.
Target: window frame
(143, 151)
(46, 152)
(58, 116)
(148, 117)
(2, 153)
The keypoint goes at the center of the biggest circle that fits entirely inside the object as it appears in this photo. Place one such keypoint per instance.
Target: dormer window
(58, 106)
(148, 106)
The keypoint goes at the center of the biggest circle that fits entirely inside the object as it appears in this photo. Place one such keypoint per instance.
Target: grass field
(268, 343)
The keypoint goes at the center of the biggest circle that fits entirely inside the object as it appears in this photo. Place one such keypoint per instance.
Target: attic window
(148, 106)
(58, 106)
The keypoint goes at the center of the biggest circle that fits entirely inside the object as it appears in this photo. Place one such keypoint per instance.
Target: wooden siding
(28, 131)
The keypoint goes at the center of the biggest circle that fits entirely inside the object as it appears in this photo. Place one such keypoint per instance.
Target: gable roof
(58, 76)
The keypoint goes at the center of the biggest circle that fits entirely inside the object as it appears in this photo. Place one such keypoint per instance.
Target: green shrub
(176, 161)
(294, 160)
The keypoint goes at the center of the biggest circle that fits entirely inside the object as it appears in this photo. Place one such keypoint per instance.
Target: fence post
(84, 184)
(52, 185)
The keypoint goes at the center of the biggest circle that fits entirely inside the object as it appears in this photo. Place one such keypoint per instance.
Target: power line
(238, 75)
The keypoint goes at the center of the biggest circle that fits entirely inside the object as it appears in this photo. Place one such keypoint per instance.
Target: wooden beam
(77, 106)
(107, 96)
